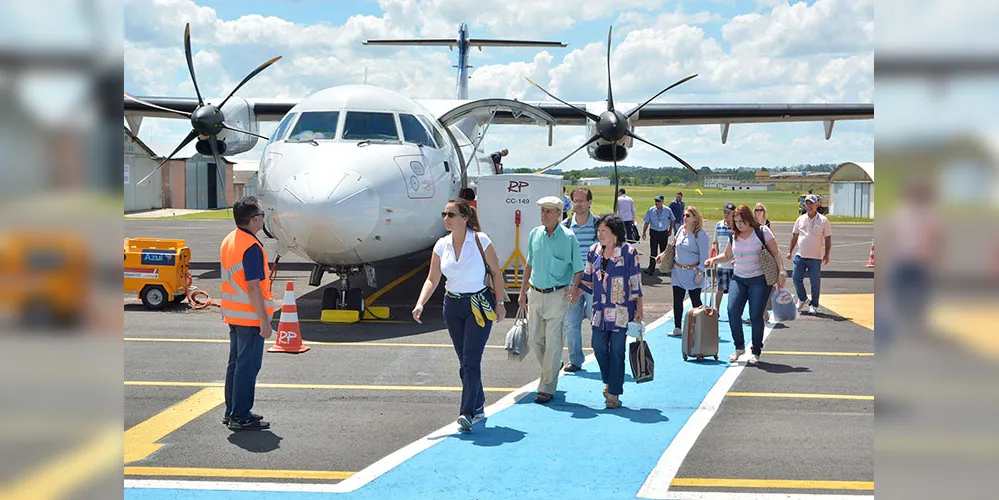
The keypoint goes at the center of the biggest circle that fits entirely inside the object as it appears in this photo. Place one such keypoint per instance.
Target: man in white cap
(814, 231)
(551, 283)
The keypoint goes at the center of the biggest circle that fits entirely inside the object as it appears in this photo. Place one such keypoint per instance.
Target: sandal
(613, 403)
(542, 398)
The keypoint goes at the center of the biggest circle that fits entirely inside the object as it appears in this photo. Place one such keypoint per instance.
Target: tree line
(664, 176)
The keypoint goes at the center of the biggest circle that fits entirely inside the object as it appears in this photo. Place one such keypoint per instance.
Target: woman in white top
(749, 283)
(462, 257)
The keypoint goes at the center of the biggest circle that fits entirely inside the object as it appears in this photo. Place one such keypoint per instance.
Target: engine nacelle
(238, 114)
(605, 152)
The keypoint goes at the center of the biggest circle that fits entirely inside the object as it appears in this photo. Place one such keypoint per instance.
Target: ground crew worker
(551, 282)
(247, 307)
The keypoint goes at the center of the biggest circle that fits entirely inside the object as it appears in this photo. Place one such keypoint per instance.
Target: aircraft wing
(267, 110)
(655, 114)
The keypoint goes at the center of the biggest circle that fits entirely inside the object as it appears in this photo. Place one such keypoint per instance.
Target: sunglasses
(260, 214)
(688, 215)
(449, 215)
(759, 210)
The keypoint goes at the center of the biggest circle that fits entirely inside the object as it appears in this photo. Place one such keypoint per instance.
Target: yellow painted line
(140, 441)
(797, 395)
(71, 472)
(312, 343)
(239, 473)
(815, 353)
(790, 484)
(859, 308)
(350, 387)
(970, 325)
(374, 296)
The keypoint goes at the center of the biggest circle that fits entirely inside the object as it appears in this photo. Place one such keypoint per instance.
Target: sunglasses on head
(449, 215)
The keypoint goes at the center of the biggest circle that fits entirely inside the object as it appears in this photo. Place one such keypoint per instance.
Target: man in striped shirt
(583, 225)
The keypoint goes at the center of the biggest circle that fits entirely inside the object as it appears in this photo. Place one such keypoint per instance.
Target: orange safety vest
(236, 306)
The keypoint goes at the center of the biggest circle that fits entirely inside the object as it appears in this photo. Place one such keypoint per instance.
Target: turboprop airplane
(357, 174)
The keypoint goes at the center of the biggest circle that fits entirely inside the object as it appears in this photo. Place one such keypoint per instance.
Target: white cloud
(827, 26)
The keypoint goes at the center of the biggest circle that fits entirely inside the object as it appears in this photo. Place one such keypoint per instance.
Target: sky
(768, 51)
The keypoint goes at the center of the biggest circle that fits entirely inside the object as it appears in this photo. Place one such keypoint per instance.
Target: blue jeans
(469, 341)
(756, 292)
(246, 353)
(814, 268)
(574, 327)
(608, 347)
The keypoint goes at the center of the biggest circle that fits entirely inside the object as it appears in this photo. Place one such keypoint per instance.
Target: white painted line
(371, 472)
(696, 495)
(658, 483)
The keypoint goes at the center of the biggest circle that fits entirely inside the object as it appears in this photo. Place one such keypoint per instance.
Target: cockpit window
(437, 135)
(359, 126)
(316, 125)
(282, 128)
(414, 131)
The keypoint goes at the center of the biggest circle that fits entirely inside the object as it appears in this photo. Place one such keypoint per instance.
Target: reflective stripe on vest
(236, 306)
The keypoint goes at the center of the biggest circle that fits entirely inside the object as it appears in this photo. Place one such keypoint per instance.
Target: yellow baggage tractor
(158, 270)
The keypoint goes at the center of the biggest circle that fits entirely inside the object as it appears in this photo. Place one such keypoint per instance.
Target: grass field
(782, 206)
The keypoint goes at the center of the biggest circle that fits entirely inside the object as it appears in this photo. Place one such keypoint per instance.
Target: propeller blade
(617, 188)
(187, 140)
(154, 106)
(587, 143)
(587, 114)
(234, 129)
(659, 94)
(610, 94)
(248, 77)
(190, 62)
(219, 167)
(675, 157)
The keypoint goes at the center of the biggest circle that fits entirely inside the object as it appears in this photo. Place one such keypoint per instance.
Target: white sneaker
(811, 310)
(736, 355)
(803, 305)
(464, 423)
(676, 333)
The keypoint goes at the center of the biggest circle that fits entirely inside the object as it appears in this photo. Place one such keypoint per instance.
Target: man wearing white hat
(551, 282)
(814, 232)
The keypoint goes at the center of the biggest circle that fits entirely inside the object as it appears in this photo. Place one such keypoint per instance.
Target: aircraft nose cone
(328, 212)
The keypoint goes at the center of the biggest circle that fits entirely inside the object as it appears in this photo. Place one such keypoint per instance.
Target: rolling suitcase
(700, 328)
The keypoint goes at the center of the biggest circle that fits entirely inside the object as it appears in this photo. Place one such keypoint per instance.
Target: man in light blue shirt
(551, 282)
(583, 225)
(661, 219)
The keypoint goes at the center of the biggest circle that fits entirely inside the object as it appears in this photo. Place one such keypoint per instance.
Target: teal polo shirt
(553, 259)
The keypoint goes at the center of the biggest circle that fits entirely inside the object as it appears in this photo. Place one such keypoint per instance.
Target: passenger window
(360, 126)
(282, 128)
(437, 135)
(413, 131)
(315, 125)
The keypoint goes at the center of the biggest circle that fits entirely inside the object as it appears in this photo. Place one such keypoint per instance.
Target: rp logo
(516, 186)
(285, 337)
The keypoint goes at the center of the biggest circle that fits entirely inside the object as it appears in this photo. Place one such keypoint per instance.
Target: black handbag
(642, 364)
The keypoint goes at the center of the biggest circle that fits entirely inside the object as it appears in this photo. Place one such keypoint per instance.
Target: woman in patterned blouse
(613, 274)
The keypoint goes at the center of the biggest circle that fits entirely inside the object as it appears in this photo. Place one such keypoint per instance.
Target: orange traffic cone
(870, 260)
(289, 333)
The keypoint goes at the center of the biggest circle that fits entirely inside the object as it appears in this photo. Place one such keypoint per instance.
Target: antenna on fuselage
(463, 42)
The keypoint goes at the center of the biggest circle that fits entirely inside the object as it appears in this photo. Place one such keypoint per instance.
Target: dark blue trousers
(246, 353)
(469, 341)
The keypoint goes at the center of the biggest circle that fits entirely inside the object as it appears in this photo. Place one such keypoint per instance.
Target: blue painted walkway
(570, 448)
